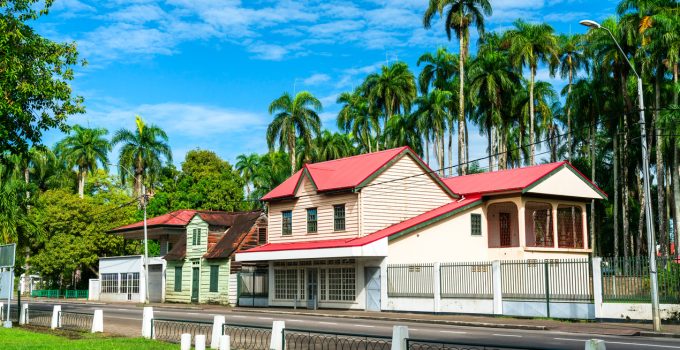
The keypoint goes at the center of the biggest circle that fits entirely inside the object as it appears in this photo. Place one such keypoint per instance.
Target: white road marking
(453, 332)
(323, 322)
(238, 316)
(297, 321)
(265, 318)
(508, 335)
(195, 313)
(569, 339)
(622, 343)
(364, 325)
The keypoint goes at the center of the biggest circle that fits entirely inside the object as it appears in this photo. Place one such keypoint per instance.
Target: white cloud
(316, 79)
(268, 51)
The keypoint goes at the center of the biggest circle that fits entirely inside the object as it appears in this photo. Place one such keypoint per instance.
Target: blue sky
(206, 70)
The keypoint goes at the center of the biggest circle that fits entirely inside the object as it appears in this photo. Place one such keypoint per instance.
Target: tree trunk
(675, 81)
(442, 164)
(451, 148)
(292, 158)
(592, 177)
(490, 145)
(641, 223)
(462, 146)
(532, 148)
(27, 179)
(427, 150)
(660, 169)
(81, 183)
(624, 191)
(616, 197)
(676, 196)
(570, 147)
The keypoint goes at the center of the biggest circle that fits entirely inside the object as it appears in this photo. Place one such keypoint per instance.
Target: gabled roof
(236, 233)
(347, 173)
(511, 180)
(393, 231)
(177, 218)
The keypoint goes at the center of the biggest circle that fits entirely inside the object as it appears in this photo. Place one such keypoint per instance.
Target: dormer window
(196, 237)
(287, 222)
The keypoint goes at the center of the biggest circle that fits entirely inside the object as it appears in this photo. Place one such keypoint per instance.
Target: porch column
(556, 243)
(584, 223)
(521, 224)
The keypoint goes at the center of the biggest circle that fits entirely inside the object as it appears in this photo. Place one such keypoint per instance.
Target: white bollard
(23, 316)
(199, 342)
(56, 313)
(218, 322)
(276, 342)
(225, 342)
(146, 322)
(98, 321)
(185, 342)
(399, 336)
(595, 344)
(2, 311)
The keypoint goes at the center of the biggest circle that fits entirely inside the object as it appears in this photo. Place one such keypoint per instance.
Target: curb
(406, 319)
(57, 301)
(658, 334)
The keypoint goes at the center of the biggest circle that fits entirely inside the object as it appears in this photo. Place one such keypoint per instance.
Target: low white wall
(94, 288)
(410, 304)
(636, 311)
(467, 306)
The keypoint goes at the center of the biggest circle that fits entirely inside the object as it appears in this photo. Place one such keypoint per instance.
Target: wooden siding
(324, 204)
(204, 294)
(399, 194)
(250, 241)
(197, 251)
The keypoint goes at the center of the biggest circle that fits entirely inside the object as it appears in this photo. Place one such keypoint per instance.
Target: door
(504, 229)
(312, 288)
(156, 283)
(128, 285)
(194, 285)
(372, 275)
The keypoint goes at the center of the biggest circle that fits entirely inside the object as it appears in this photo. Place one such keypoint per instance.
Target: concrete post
(146, 322)
(98, 321)
(199, 342)
(597, 286)
(23, 316)
(497, 287)
(276, 342)
(218, 322)
(399, 336)
(437, 288)
(185, 341)
(2, 311)
(225, 343)
(56, 312)
(595, 344)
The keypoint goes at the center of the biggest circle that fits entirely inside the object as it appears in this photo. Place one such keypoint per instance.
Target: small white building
(122, 278)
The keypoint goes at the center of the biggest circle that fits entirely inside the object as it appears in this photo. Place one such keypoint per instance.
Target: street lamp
(645, 175)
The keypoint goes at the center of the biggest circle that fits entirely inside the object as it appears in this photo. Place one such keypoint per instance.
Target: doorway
(312, 288)
(372, 275)
(194, 284)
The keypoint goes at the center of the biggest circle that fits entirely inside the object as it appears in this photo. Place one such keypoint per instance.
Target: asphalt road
(128, 319)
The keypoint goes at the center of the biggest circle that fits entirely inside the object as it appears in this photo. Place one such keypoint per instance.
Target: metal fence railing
(627, 280)
(56, 293)
(248, 337)
(425, 344)
(14, 314)
(410, 280)
(77, 321)
(76, 294)
(46, 293)
(171, 330)
(547, 280)
(40, 318)
(253, 284)
(298, 339)
(466, 280)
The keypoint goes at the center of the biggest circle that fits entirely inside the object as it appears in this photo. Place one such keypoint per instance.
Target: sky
(206, 70)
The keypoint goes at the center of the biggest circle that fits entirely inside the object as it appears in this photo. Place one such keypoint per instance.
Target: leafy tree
(571, 58)
(246, 164)
(34, 78)
(295, 117)
(432, 115)
(273, 169)
(355, 118)
(392, 91)
(141, 153)
(85, 148)
(13, 206)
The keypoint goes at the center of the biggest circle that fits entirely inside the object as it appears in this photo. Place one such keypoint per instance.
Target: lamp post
(649, 221)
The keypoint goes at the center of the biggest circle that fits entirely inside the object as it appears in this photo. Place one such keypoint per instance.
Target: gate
(253, 288)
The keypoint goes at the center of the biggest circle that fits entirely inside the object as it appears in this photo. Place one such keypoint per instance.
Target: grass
(41, 338)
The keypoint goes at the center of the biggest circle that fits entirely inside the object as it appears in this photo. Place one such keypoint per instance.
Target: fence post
(218, 322)
(595, 344)
(98, 321)
(146, 322)
(497, 284)
(23, 316)
(199, 342)
(546, 268)
(185, 341)
(597, 286)
(399, 336)
(276, 341)
(436, 274)
(225, 342)
(56, 314)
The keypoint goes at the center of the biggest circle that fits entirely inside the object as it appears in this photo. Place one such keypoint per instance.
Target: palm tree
(273, 169)
(571, 59)
(491, 77)
(402, 130)
(530, 44)
(13, 204)
(438, 69)
(85, 148)
(295, 117)
(246, 165)
(141, 153)
(334, 145)
(392, 91)
(460, 14)
(355, 118)
(432, 115)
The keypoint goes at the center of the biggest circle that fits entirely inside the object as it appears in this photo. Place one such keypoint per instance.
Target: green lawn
(20, 338)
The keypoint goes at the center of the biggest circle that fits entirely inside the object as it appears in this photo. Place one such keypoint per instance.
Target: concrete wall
(637, 311)
(124, 264)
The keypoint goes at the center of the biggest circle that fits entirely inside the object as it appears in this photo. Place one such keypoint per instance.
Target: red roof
(506, 180)
(337, 174)
(179, 218)
(361, 241)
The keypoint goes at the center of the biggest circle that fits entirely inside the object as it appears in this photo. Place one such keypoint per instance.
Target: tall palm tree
(85, 149)
(460, 15)
(273, 169)
(571, 59)
(530, 44)
(142, 152)
(333, 145)
(432, 116)
(393, 90)
(294, 117)
(355, 118)
(438, 69)
(13, 204)
(246, 165)
(402, 130)
(491, 77)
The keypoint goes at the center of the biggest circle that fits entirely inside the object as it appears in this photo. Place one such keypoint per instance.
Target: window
(109, 283)
(341, 283)
(196, 237)
(538, 224)
(339, 217)
(129, 283)
(214, 276)
(476, 224)
(569, 227)
(287, 222)
(285, 284)
(311, 220)
(178, 278)
(262, 235)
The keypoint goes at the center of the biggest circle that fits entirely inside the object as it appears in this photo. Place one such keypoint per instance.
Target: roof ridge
(504, 170)
(358, 155)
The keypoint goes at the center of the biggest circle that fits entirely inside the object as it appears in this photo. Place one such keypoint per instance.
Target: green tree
(273, 169)
(572, 58)
(432, 116)
(438, 70)
(402, 130)
(85, 148)
(355, 118)
(34, 78)
(529, 45)
(13, 206)
(294, 117)
(247, 164)
(460, 15)
(141, 153)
